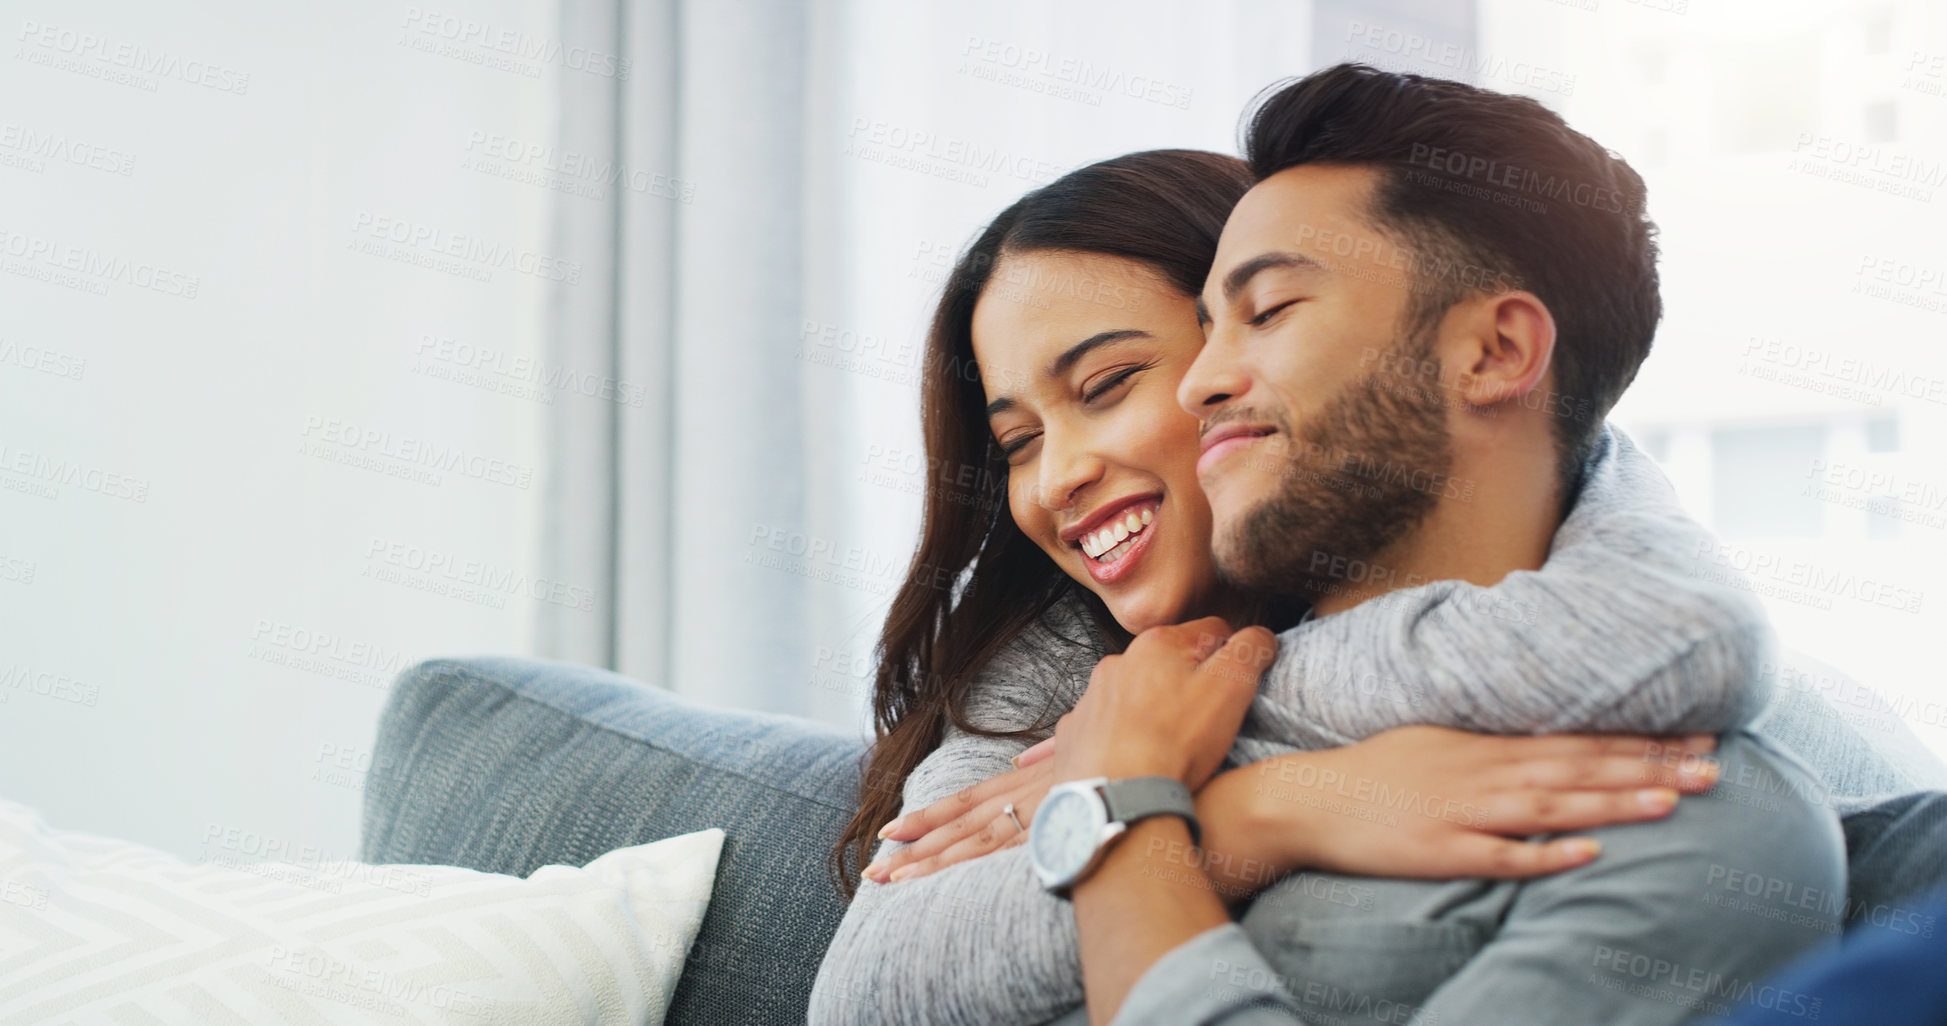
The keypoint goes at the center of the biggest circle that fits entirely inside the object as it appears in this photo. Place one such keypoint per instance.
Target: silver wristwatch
(1077, 822)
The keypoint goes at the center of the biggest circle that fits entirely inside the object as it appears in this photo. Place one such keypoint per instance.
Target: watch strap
(1134, 798)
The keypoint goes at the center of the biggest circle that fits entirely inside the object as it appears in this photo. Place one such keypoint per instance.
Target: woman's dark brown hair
(976, 582)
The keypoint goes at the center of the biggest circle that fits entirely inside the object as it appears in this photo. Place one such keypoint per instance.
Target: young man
(1430, 281)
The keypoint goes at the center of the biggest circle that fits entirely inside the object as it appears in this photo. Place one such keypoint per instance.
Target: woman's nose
(1063, 475)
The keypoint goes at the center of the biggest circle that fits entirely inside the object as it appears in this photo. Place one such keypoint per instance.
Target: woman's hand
(1188, 685)
(970, 822)
(1434, 803)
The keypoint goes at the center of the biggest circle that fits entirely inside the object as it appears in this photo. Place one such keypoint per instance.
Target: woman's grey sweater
(1620, 631)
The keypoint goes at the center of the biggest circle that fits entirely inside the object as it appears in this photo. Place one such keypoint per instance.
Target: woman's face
(1080, 355)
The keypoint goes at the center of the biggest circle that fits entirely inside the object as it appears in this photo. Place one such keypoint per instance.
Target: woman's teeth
(1114, 540)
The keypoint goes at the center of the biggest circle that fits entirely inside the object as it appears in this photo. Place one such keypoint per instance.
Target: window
(1756, 490)
(1883, 434)
(1882, 123)
(1879, 31)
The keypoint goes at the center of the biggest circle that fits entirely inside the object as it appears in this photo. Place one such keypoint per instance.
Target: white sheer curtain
(700, 293)
(752, 516)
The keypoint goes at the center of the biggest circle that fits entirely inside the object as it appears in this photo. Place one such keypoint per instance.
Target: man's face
(1316, 449)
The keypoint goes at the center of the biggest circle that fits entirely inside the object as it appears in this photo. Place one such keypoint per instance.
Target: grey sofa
(506, 765)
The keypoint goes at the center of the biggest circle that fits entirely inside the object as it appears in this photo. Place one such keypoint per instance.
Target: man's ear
(1499, 347)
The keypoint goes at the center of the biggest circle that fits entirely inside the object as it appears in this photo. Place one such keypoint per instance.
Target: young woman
(1051, 372)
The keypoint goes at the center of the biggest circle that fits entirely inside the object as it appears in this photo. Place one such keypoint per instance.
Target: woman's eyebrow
(1070, 357)
(1067, 360)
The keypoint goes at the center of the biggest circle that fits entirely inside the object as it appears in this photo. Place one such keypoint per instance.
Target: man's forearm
(1149, 896)
(1617, 632)
(1242, 852)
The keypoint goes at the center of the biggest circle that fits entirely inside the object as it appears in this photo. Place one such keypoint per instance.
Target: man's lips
(1225, 439)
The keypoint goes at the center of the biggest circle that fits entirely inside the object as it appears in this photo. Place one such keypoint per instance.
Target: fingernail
(1657, 799)
(1016, 761)
(1702, 770)
(1584, 848)
(1700, 742)
(876, 870)
(902, 873)
(886, 831)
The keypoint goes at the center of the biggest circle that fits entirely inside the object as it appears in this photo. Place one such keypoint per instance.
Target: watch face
(1066, 828)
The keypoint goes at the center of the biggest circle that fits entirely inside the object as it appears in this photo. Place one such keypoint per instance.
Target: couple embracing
(1315, 651)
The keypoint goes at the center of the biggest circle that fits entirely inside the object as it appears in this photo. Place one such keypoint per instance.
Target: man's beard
(1363, 473)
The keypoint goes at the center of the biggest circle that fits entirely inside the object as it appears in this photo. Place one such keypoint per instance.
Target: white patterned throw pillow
(99, 931)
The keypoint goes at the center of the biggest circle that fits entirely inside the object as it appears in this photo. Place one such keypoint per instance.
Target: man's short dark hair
(1490, 191)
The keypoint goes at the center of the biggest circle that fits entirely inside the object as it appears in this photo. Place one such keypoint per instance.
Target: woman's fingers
(1501, 859)
(1000, 832)
(1690, 774)
(1035, 753)
(955, 831)
(1520, 813)
(919, 823)
(938, 838)
(967, 822)
(987, 829)
(1583, 746)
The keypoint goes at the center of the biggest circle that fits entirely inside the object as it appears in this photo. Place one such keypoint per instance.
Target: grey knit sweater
(1618, 632)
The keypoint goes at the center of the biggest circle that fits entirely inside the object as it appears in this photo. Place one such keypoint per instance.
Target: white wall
(192, 636)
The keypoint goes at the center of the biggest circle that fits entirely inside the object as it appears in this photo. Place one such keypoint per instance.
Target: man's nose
(1216, 376)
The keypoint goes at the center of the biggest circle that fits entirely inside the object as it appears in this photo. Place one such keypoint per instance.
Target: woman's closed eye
(1109, 383)
(1096, 392)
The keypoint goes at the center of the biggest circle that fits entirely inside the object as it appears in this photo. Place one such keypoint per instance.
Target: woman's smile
(1112, 548)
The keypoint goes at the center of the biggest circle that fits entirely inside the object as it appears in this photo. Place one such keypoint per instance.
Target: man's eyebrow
(1242, 274)
(1070, 357)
